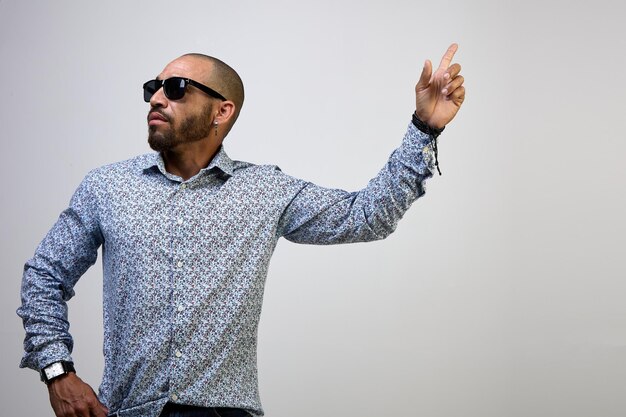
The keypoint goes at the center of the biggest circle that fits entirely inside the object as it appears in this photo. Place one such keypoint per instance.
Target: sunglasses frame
(186, 81)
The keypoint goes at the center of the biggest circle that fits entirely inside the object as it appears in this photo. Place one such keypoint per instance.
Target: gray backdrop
(501, 293)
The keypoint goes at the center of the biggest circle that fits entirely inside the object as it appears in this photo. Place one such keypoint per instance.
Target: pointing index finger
(447, 57)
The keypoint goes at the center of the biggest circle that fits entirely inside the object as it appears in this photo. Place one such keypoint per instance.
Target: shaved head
(225, 80)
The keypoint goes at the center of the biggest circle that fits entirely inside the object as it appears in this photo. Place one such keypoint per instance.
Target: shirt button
(179, 264)
(180, 221)
(178, 353)
(174, 397)
(183, 186)
(181, 308)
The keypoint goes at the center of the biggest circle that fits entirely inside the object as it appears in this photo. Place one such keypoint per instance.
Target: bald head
(222, 78)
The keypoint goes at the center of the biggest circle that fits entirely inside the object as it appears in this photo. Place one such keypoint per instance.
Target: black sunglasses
(174, 88)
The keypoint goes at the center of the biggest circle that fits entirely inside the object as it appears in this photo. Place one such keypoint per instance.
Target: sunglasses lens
(149, 89)
(174, 88)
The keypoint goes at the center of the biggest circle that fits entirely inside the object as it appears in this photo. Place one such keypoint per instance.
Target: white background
(502, 292)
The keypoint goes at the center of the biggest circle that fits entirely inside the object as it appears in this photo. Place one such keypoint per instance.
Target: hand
(438, 96)
(71, 397)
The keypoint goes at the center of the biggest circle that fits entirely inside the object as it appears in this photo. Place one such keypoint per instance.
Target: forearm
(401, 181)
(325, 216)
(44, 316)
(66, 252)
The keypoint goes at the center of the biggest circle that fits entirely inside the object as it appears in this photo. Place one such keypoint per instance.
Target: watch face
(54, 370)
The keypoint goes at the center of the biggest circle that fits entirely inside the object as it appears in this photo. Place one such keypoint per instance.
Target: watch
(55, 370)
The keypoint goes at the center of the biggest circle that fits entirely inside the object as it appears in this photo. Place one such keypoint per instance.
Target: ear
(224, 112)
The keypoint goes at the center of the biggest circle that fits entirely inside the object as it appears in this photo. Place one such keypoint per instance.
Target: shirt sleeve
(63, 256)
(318, 215)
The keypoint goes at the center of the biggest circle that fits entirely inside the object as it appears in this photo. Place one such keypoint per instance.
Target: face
(172, 123)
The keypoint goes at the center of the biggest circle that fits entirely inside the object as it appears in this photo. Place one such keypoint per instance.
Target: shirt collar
(221, 161)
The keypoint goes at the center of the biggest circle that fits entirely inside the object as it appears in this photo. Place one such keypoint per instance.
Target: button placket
(179, 260)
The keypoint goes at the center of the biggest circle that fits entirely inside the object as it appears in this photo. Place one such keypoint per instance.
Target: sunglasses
(174, 88)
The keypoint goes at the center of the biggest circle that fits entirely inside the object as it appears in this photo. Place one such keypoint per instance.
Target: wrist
(424, 127)
(61, 380)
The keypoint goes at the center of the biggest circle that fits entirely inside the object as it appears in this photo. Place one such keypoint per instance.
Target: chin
(158, 142)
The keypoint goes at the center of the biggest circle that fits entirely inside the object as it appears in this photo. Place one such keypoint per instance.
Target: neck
(187, 159)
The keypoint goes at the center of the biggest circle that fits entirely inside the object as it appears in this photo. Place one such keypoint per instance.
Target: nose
(158, 99)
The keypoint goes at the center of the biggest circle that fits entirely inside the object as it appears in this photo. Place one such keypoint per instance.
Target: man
(187, 234)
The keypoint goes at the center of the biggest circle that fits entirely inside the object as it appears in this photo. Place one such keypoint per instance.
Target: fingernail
(444, 91)
(446, 75)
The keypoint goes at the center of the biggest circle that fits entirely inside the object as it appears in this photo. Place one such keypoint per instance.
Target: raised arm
(326, 216)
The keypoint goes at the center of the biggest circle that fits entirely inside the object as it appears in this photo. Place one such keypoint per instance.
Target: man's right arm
(63, 256)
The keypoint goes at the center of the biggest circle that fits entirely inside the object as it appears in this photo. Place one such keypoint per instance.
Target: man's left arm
(320, 215)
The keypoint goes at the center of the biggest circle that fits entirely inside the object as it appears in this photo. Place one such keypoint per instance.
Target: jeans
(180, 410)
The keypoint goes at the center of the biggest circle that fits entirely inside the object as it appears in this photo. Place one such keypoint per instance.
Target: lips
(155, 118)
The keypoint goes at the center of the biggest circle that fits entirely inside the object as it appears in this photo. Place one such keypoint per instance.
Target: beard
(192, 129)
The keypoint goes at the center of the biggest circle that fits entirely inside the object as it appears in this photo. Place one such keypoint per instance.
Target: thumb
(97, 405)
(424, 80)
(98, 409)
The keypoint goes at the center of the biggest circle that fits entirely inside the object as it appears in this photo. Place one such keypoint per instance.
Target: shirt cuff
(51, 353)
(424, 144)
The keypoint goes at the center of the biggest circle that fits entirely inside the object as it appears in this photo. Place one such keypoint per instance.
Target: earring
(215, 123)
